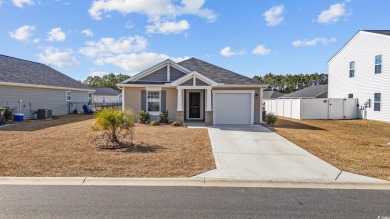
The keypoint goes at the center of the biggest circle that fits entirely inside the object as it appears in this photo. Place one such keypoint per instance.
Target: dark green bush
(143, 117)
(164, 117)
(271, 119)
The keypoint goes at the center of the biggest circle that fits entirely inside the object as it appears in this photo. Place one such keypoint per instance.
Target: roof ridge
(218, 67)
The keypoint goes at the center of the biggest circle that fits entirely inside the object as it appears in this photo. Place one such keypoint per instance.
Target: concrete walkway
(254, 152)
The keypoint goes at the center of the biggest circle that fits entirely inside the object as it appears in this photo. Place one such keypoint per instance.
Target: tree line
(290, 83)
(109, 80)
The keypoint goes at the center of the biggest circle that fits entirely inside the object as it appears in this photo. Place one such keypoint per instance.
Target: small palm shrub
(176, 123)
(164, 117)
(154, 123)
(113, 128)
(271, 119)
(143, 117)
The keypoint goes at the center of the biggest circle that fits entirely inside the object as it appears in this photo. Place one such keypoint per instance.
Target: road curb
(199, 182)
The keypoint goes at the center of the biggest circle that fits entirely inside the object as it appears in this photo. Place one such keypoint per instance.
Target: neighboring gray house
(194, 90)
(106, 95)
(38, 86)
(271, 94)
(314, 91)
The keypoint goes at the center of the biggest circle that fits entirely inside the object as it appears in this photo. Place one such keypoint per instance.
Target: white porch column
(179, 99)
(208, 100)
(261, 104)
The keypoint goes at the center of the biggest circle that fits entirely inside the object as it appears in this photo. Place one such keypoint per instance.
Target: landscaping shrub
(176, 123)
(164, 117)
(8, 114)
(271, 119)
(143, 117)
(154, 123)
(113, 128)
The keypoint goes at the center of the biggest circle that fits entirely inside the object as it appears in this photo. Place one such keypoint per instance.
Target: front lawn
(357, 146)
(60, 147)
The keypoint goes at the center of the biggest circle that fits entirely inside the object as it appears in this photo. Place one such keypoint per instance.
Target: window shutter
(163, 100)
(143, 100)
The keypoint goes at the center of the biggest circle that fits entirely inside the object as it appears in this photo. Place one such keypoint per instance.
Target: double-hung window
(377, 101)
(378, 64)
(153, 101)
(68, 96)
(352, 69)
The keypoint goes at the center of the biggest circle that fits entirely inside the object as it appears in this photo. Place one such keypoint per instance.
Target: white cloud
(313, 42)
(333, 14)
(134, 63)
(57, 57)
(168, 27)
(87, 32)
(261, 50)
(56, 34)
(21, 3)
(22, 33)
(153, 9)
(227, 52)
(107, 46)
(274, 16)
(36, 40)
(1, 2)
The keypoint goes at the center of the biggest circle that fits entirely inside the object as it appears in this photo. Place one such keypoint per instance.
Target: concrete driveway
(254, 152)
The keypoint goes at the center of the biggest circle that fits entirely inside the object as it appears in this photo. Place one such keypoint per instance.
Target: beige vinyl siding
(171, 103)
(256, 102)
(133, 101)
(41, 98)
(133, 98)
(362, 49)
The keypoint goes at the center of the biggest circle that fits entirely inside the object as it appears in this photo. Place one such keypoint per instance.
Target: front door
(194, 106)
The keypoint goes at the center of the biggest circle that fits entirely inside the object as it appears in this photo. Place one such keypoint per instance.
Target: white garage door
(232, 108)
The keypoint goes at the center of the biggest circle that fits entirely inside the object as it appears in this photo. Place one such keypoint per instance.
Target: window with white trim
(68, 96)
(377, 101)
(378, 64)
(153, 101)
(89, 97)
(350, 95)
(104, 99)
(352, 69)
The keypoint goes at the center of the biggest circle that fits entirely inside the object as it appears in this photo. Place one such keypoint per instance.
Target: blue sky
(82, 38)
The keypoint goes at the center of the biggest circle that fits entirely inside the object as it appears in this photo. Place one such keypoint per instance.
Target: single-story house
(194, 90)
(361, 69)
(311, 92)
(27, 86)
(106, 95)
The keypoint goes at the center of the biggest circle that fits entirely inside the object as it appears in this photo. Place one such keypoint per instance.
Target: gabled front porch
(194, 98)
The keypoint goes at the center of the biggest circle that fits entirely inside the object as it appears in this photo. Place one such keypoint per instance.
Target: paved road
(254, 152)
(189, 202)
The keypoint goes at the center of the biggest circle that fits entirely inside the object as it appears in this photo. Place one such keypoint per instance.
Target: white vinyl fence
(327, 108)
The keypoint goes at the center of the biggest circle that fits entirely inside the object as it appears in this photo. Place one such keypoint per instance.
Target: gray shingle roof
(384, 32)
(309, 92)
(216, 73)
(105, 91)
(270, 94)
(16, 70)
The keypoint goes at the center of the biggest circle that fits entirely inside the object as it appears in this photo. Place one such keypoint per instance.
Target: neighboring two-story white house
(361, 69)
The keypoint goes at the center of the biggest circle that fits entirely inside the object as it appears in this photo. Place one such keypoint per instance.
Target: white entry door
(233, 107)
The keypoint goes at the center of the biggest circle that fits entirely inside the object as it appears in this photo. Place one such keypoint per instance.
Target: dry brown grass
(61, 148)
(357, 146)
